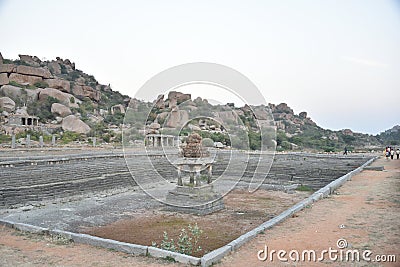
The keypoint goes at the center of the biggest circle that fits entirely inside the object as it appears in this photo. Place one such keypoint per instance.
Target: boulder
(54, 67)
(175, 98)
(15, 93)
(283, 108)
(33, 61)
(86, 91)
(1, 58)
(225, 116)
(4, 79)
(59, 84)
(65, 98)
(177, 118)
(7, 104)
(159, 103)
(60, 109)
(7, 68)
(28, 70)
(303, 115)
(73, 124)
(21, 78)
(155, 126)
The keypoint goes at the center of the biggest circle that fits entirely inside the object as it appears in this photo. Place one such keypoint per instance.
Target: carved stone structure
(160, 140)
(194, 197)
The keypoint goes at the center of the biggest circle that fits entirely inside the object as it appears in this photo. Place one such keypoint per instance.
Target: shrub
(187, 242)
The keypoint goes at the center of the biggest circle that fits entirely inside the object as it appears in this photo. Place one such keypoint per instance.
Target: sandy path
(365, 211)
(367, 208)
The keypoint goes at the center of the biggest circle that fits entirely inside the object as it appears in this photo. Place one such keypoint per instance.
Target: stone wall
(29, 179)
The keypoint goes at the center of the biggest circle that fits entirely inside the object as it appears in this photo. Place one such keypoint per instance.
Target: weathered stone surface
(1, 58)
(303, 115)
(86, 91)
(175, 98)
(161, 253)
(160, 103)
(226, 116)
(33, 61)
(27, 70)
(54, 67)
(73, 124)
(15, 93)
(60, 109)
(177, 117)
(7, 104)
(283, 107)
(64, 98)
(4, 79)
(21, 78)
(59, 84)
(7, 68)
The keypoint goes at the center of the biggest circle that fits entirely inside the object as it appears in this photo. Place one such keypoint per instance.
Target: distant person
(387, 152)
(398, 153)
(345, 151)
(391, 153)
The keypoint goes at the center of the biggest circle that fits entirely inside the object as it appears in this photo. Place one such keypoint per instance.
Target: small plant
(41, 84)
(187, 243)
(304, 188)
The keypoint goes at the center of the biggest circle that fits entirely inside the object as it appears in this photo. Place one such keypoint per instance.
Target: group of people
(390, 151)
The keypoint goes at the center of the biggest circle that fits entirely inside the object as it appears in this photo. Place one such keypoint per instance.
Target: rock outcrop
(59, 84)
(60, 109)
(65, 98)
(177, 118)
(15, 93)
(23, 79)
(175, 98)
(32, 71)
(74, 124)
(86, 91)
(4, 79)
(7, 104)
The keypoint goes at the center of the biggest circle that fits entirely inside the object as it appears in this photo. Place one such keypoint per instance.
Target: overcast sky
(337, 60)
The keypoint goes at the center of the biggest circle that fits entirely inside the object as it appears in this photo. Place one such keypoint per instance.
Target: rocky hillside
(73, 105)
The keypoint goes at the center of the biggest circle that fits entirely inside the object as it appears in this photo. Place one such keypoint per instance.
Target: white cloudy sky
(338, 60)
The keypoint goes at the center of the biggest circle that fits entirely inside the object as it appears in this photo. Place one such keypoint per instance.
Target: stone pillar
(191, 175)
(154, 141)
(180, 176)
(13, 141)
(198, 175)
(209, 174)
(53, 140)
(41, 141)
(94, 141)
(28, 140)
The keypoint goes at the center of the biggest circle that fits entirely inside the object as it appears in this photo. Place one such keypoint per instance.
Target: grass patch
(304, 188)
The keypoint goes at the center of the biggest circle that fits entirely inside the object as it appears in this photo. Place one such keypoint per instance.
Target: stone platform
(197, 200)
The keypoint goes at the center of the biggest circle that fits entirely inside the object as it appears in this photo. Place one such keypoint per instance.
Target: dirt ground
(243, 212)
(365, 212)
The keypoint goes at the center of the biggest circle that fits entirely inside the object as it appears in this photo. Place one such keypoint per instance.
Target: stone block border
(209, 258)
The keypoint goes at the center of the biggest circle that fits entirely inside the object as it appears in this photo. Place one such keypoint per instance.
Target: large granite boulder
(28, 70)
(74, 124)
(33, 61)
(303, 115)
(175, 98)
(59, 84)
(283, 108)
(21, 78)
(177, 118)
(15, 93)
(7, 104)
(7, 68)
(60, 109)
(54, 67)
(224, 116)
(86, 91)
(4, 79)
(65, 98)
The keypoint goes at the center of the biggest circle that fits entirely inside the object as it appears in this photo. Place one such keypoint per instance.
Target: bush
(187, 242)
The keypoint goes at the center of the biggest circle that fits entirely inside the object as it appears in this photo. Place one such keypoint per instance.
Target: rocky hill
(54, 97)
